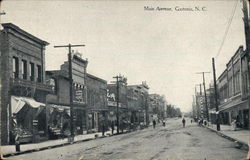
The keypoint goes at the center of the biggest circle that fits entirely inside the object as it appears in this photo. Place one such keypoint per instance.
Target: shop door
(246, 118)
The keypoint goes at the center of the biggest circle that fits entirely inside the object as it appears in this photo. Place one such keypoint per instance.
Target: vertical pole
(200, 90)
(71, 93)
(117, 104)
(216, 98)
(195, 98)
(205, 96)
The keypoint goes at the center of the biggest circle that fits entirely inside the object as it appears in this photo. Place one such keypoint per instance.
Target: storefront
(238, 111)
(58, 121)
(28, 120)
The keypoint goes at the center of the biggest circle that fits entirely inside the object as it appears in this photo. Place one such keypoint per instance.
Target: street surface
(162, 143)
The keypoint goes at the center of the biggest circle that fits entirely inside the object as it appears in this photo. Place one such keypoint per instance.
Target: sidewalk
(241, 136)
(9, 150)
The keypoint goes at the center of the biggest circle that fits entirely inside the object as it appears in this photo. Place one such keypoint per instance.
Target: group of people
(164, 122)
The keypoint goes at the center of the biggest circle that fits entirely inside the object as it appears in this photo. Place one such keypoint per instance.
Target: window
(15, 67)
(237, 82)
(24, 69)
(39, 73)
(230, 87)
(32, 71)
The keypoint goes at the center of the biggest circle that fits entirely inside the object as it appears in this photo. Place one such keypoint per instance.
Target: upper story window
(15, 67)
(24, 69)
(230, 87)
(32, 71)
(237, 82)
(39, 73)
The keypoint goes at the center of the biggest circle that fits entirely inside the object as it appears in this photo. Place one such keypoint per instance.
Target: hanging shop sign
(113, 104)
(78, 95)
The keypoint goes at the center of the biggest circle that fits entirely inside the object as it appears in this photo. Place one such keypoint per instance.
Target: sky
(165, 48)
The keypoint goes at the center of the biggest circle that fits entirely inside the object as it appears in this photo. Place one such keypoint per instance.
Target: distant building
(112, 98)
(211, 104)
(157, 106)
(22, 85)
(138, 98)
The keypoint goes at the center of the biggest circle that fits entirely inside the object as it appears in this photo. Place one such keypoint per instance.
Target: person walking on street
(183, 122)
(154, 123)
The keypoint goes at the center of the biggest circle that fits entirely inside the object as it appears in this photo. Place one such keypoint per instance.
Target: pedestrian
(191, 121)
(183, 122)
(163, 123)
(103, 129)
(112, 127)
(17, 142)
(154, 123)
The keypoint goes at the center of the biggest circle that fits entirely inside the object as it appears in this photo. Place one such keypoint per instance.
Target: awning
(236, 104)
(17, 103)
(60, 108)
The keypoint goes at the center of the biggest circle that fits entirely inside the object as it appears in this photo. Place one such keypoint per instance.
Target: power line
(227, 29)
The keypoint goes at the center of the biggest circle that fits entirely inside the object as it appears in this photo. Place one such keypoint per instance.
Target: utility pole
(216, 97)
(204, 85)
(117, 102)
(69, 46)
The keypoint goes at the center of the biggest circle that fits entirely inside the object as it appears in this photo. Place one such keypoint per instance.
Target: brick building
(138, 99)
(23, 89)
(97, 111)
(233, 89)
(58, 103)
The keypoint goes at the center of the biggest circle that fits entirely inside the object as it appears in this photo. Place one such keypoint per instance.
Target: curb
(58, 145)
(240, 144)
(45, 148)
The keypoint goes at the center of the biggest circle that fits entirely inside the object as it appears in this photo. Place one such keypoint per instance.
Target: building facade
(138, 103)
(233, 89)
(23, 89)
(117, 92)
(97, 111)
(58, 103)
(157, 106)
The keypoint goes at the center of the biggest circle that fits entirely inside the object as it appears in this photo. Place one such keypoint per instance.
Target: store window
(39, 73)
(24, 69)
(15, 67)
(32, 71)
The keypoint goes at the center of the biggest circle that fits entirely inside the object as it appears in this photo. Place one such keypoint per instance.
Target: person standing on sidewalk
(112, 127)
(154, 123)
(103, 127)
(183, 122)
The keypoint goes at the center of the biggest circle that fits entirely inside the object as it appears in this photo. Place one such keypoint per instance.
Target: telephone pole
(204, 85)
(117, 101)
(216, 97)
(69, 46)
